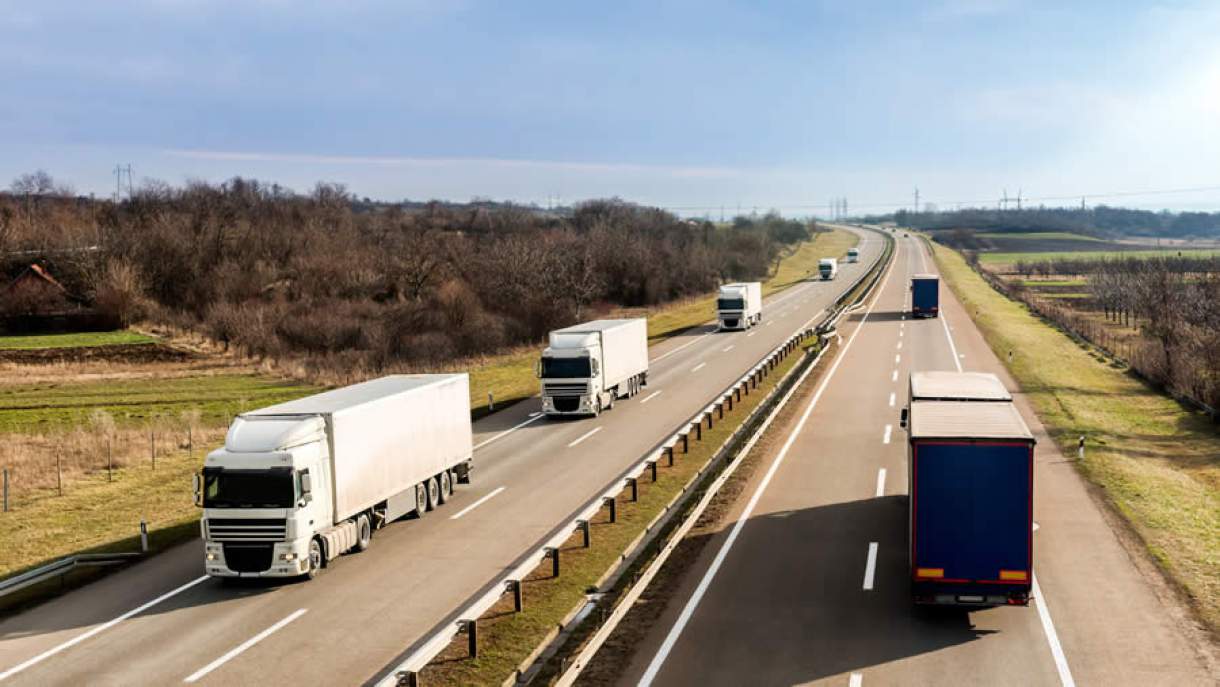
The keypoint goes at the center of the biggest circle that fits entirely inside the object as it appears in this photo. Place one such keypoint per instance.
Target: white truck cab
(828, 268)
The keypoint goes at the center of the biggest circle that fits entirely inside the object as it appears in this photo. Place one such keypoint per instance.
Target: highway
(162, 622)
(805, 581)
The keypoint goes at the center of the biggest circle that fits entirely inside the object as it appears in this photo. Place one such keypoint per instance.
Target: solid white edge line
(689, 609)
(1044, 613)
(100, 628)
(486, 497)
(584, 436)
(241, 648)
(870, 567)
(651, 396)
(510, 430)
(880, 482)
(889, 429)
(698, 367)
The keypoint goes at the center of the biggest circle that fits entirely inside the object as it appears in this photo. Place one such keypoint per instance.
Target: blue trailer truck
(971, 481)
(925, 295)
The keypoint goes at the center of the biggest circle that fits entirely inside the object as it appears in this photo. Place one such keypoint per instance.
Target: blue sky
(682, 104)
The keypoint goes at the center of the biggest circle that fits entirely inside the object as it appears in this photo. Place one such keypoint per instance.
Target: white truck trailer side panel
(624, 350)
(753, 298)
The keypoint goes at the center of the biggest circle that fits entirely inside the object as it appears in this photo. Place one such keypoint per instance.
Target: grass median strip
(506, 638)
(1158, 462)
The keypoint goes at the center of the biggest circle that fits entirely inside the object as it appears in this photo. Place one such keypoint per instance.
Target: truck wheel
(364, 533)
(611, 395)
(446, 486)
(421, 500)
(315, 559)
(434, 494)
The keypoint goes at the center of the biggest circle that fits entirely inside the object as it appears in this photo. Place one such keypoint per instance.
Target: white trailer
(299, 483)
(828, 268)
(588, 366)
(739, 306)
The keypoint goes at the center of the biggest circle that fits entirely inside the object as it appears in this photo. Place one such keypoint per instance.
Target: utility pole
(1018, 200)
(916, 200)
(119, 171)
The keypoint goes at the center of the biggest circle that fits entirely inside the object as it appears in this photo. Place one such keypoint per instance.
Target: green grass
(122, 337)
(1158, 462)
(1011, 258)
(54, 406)
(510, 377)
(506, 638)
(1040, 236)
(1054, 282)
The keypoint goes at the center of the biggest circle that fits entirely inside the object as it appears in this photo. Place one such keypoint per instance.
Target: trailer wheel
(364, 533)
(315, 559)
(421, 500)
(446, 486)
(434, 494)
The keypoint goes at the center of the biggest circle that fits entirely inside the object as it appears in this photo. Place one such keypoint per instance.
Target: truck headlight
(211, 556)
(288, 556)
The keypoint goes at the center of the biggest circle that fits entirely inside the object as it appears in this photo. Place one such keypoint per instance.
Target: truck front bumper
(569, 405)
(285, 559)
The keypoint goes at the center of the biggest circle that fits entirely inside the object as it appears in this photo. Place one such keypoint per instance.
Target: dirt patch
(123, 353)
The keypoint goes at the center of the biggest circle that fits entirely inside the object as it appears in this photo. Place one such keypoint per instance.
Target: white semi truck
(853, 255)
(588, 366)
(828, 267)
(739, 306)
(299, 483)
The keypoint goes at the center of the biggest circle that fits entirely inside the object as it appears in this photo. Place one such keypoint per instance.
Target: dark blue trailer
(925, 295)
(971, 485)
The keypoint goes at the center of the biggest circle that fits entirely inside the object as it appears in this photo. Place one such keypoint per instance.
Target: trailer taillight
(929, 573)
(1014, 575)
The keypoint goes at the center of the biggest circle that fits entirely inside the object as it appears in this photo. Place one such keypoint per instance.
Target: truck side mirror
(307, 482)
(902, 420)
(594, 368)
(197, 488)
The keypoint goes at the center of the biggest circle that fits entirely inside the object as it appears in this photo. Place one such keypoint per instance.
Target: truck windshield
(565, 368)
(730, 304)
(226, 488)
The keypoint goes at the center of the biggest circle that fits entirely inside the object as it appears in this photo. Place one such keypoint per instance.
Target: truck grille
(254, 530)
(579, 389)
(567, 404)
(248, 558)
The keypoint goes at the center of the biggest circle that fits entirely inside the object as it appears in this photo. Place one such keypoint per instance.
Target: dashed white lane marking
(698, 367)
(898, 359)
(750, 334)
(237, 651)
(584, 436)
(476, 504)
(728, 348)
(870, 568)
(900, 344)
(99, 629)
(894, 377)
(880, 482)
(510, 430)
(888, 430)
(651, 396)
(893, 397)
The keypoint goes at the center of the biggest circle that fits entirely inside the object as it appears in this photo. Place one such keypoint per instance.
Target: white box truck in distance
(299, 483)
(853, 255)
(739, 306)
(828, 267)
(588, 366)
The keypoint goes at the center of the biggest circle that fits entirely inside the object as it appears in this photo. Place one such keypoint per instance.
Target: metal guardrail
(406, 670)
(62, 567)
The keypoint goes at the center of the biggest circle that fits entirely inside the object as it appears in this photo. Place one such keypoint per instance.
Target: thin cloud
(694, 172)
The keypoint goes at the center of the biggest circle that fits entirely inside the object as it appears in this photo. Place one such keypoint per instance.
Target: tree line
(328, 277)
(1100, 221)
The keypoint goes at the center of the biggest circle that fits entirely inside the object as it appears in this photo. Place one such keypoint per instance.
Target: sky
(691, 105)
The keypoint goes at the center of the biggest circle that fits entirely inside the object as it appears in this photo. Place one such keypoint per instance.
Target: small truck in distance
(970, 479)
(739, 306)
(925, 295)
(853, 255)
(589, 366)
(299, 483)
(828, 268)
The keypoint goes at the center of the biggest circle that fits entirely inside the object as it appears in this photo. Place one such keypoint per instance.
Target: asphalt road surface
(807, 581)
(161, 622)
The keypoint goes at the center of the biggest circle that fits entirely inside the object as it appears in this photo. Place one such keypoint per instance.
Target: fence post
(110, 459)
(59, 473)
(5, 490)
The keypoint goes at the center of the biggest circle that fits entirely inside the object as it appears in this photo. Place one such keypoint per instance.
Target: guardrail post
(612, 503)
(710, 419)
(685, 446)
(586, 536)
(720, 409)
(514, 586)
(635, 488)
(737, 393)
(698, 425)
(652, 467)
(552, 552)
(729, 399)
(472, 637)
(407, 678)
